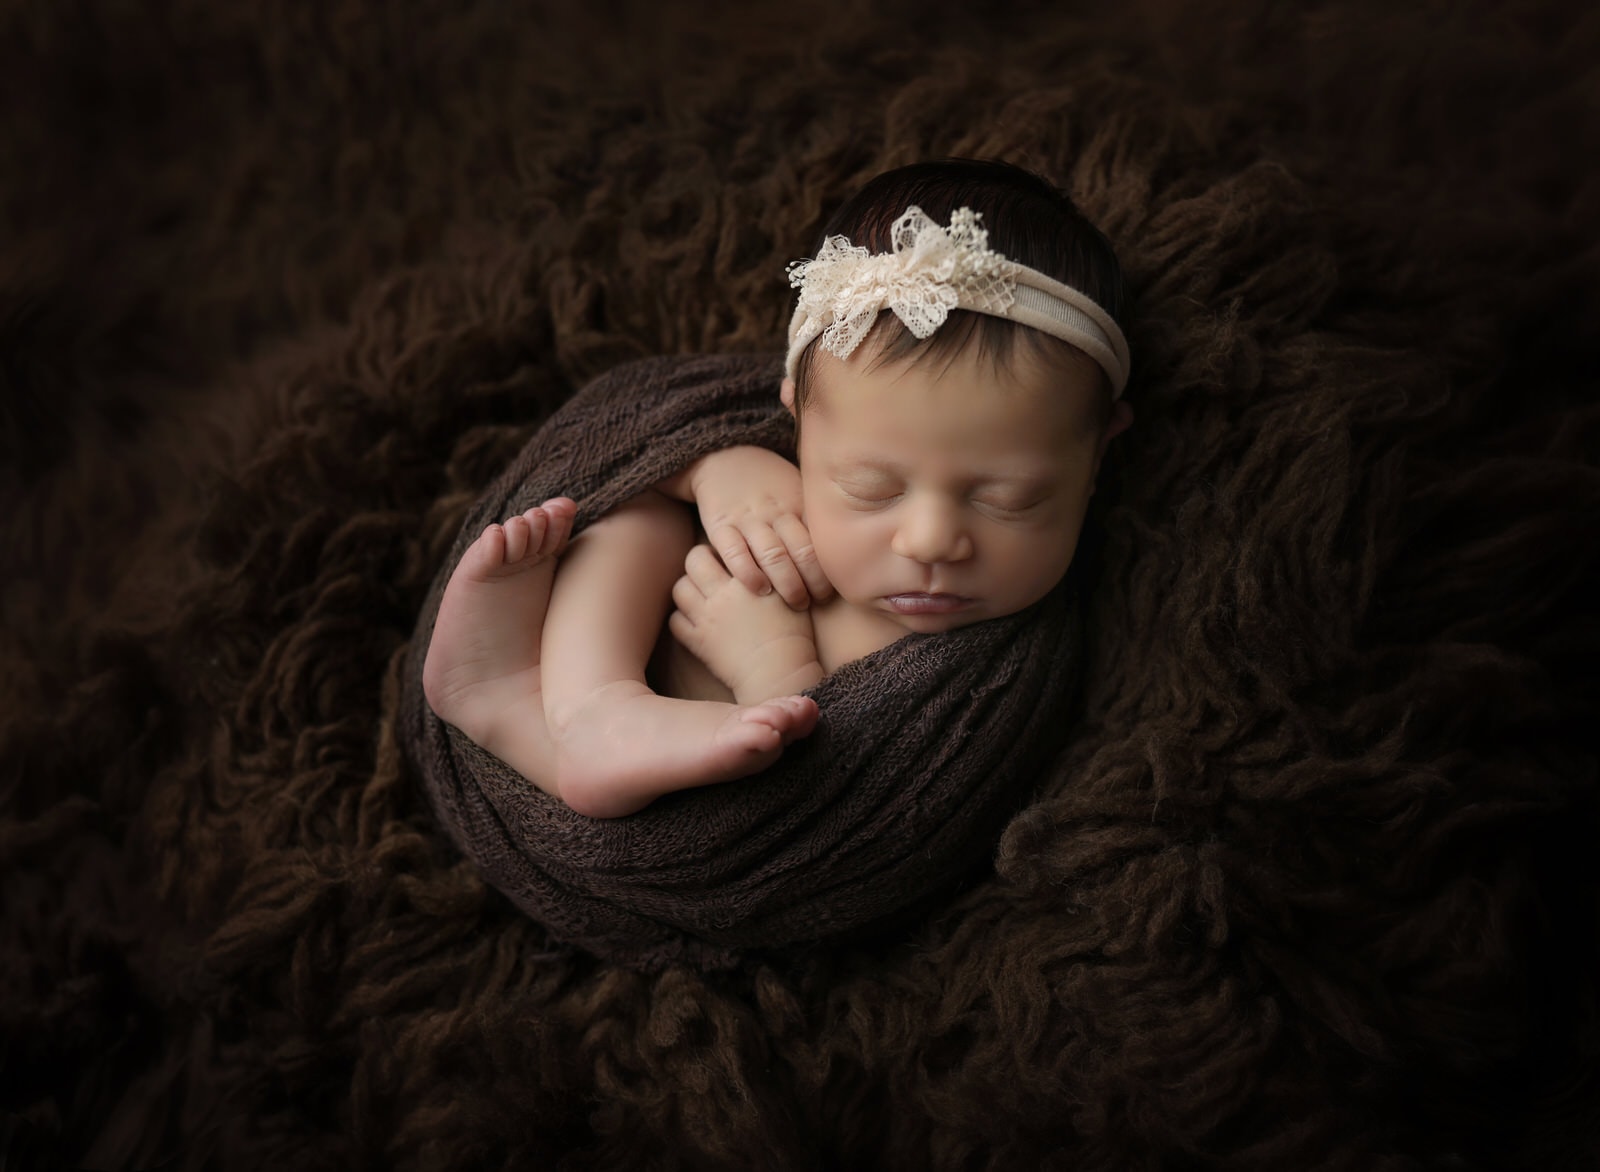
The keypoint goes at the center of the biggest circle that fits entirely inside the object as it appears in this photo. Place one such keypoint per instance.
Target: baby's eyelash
(868, 500)
(1007, 507)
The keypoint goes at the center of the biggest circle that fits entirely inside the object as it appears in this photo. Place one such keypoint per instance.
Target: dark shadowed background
(282, 287)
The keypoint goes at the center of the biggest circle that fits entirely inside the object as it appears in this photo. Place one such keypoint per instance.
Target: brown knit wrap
(922, 752)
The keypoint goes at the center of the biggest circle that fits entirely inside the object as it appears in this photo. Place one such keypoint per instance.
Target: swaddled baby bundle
(923, 750)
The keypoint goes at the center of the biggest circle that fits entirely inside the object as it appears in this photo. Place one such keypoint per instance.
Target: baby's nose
(932, 532)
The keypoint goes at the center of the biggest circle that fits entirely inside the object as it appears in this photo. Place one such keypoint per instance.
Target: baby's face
(940, 496)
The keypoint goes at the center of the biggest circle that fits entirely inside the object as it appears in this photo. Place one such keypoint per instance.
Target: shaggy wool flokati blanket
(1313, 884)
(924, 749)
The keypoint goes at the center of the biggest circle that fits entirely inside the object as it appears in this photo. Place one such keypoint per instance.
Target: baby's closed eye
(1008, 506)
(870, 494)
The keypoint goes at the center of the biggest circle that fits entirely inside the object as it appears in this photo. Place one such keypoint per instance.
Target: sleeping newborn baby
(954, 373)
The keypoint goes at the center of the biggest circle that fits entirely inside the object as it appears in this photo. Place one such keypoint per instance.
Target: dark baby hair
(1029, 221)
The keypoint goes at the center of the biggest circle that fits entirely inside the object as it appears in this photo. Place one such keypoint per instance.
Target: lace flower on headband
(930, 271)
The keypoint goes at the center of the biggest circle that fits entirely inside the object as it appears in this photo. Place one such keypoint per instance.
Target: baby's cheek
(843, 552)
(1035, 564)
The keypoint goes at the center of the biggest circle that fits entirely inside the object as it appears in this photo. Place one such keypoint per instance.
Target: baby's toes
(518, 533)
(803, 714)
(791, 716)
(485, 555)
(538, 527)
(559, 513)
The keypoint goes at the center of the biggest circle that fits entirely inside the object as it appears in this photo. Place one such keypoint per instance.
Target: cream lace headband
(931, 271)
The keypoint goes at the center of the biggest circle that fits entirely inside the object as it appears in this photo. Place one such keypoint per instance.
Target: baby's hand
(753, 643)
(749, 503)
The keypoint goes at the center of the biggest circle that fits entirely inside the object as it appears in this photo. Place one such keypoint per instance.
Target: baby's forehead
(1048, 393)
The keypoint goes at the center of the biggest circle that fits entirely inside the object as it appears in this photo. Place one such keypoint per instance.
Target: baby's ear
(1121, 419)
(786, 394)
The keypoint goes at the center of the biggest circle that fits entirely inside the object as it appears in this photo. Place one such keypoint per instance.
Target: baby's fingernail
(765, 590)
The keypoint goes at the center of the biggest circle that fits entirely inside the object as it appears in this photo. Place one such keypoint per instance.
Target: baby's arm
(750, 505)
(753, 643)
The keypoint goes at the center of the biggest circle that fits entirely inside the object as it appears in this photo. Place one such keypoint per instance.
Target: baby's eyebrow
(1021, 479)
(864, 464)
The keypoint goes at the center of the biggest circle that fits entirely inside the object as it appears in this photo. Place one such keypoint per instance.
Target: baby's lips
(928, 603)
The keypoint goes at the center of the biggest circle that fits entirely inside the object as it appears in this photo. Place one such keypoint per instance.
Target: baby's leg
(618, 745)
(482, 671)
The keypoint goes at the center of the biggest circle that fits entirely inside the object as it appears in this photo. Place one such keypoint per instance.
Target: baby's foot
(624, 746)
(483, 659)
(753, 643)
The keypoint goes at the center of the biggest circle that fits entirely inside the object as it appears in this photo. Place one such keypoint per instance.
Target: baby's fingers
(730, 547)
(772, 555)
(683, 629)
(749, 556)
(687, 596)
(703, 570)
(797, 540)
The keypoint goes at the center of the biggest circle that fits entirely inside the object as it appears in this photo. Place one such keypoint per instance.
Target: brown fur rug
(1314, 885)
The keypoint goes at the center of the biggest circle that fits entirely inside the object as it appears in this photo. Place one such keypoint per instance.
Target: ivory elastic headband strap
(931, 271)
